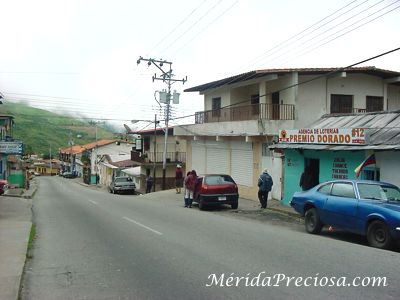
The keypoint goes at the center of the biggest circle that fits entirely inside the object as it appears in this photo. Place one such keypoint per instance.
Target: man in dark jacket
(264, 187)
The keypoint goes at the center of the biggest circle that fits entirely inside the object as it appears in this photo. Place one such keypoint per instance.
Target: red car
(3, 186)
(216, 189)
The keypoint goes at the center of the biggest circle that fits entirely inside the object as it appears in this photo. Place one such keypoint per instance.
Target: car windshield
(218, 180)
(378, 192)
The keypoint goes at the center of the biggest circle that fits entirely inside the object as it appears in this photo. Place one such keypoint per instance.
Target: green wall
(17, 180)
(332, 165)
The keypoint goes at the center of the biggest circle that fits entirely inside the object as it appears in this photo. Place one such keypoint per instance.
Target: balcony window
(374, 103)
(341, 104)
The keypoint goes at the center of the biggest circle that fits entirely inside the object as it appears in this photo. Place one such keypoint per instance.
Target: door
(341, 206)
(198, 157)
(311, 165)
(242, 163)
(217, 157)
(275, 106)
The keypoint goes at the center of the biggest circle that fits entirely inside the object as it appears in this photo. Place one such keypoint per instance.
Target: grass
(38, 129)
(32, 236)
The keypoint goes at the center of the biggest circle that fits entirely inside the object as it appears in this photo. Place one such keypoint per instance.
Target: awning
(334, 147)
(108, 165)
(132, 171)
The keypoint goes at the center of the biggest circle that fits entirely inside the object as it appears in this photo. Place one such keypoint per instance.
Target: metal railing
(247, 112)
(171, 157)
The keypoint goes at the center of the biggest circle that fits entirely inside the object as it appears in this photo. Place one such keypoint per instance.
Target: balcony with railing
(177, 157)
(247, 112)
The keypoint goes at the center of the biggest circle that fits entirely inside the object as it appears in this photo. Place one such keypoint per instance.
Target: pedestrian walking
(190, 185)
(306, 179)
(178, 179)
(265, 183)
(149, 183)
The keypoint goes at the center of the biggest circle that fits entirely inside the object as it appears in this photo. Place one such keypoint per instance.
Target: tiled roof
(82, 148)
(302, 71)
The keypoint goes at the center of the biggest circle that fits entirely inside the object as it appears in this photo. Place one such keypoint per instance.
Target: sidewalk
(15, 228)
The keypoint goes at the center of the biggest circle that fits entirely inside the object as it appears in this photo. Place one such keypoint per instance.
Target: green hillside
(38, 129)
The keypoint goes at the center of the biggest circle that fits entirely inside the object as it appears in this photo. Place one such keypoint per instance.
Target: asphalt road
(95, 245)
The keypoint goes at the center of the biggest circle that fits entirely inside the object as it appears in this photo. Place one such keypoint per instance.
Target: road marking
(94, 202)
(141, 225)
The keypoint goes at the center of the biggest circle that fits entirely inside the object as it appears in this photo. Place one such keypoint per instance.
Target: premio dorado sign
(334, 136)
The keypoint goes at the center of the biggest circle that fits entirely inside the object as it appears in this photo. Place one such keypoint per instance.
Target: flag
(368, 161)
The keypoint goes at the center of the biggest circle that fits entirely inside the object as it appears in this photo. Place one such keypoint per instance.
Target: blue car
(368, 208)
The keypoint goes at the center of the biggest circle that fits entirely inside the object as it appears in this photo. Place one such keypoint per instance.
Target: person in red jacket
(190, 184)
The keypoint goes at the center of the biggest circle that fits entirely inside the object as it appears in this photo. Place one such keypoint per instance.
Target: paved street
(95, 245)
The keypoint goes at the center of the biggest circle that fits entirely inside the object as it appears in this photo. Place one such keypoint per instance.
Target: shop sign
(344, 136)
(11, 147)
(339, 168)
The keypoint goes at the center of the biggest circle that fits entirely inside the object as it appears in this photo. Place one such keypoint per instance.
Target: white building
(243, 114)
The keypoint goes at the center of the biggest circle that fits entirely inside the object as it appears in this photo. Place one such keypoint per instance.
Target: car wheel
(312, 222)
(378, 235)
(201, 204)
(235, 205)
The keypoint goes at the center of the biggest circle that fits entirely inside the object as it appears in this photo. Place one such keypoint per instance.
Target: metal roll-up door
(242, 163)
(198, 157)
(218, 158)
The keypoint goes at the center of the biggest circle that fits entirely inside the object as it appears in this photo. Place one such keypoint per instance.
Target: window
(341, 104)
(374, 103)
(371, 174)
(325, 189)
(218, 180)
(378, 192)
(265, 150)
(343, 190)
(216, 107)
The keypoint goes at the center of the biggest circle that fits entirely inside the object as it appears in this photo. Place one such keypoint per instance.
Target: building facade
(243, 115)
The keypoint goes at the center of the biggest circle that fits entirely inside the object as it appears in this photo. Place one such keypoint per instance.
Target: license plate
(221, 198)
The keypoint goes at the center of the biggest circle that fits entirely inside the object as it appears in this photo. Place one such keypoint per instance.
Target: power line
(338, 70)
(280, 90)
(177, 26)
(194, 24)
(281, 44)
(206, 27)
(349, 26)
(345, 33)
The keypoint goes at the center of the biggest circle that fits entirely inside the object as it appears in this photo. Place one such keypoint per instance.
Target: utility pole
(166, 77)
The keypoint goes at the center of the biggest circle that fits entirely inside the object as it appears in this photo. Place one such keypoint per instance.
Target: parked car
(69, 175)
(3, 186)
(216, 189)
(368, 208)
(122, 184)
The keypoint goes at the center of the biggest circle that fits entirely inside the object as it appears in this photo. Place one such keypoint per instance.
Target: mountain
(40, 129)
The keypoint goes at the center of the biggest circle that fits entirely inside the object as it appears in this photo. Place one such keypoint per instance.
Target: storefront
(326, 152)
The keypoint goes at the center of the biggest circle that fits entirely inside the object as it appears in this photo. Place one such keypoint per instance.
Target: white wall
(389, 165)
(274, 167)
(314, 98)
(110, 149)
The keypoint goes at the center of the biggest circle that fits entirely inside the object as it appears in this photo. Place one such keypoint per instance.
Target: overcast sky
(80, 56)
